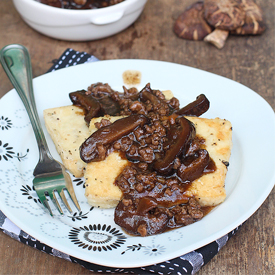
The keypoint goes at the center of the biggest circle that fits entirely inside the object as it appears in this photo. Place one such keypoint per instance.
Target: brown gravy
(165, 154)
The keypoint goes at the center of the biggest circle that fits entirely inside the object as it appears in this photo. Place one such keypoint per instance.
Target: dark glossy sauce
(164, 152)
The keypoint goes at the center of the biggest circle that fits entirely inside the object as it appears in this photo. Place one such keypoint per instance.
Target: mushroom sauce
(163, 150)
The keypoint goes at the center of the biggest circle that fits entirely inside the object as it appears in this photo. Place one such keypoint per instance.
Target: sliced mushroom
(145, 204)
(146, 94)
(88, 103)
(226, 15)
(93, 148)
(94, 107)
(179, 141)
(109, 106)
(254, 22)
(191, 24)
(193, 166)
(195, 108)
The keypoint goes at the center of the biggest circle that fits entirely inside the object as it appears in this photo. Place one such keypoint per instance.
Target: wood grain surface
(247, 60)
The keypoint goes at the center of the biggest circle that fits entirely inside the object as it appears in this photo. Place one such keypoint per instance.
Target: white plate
(92, 235)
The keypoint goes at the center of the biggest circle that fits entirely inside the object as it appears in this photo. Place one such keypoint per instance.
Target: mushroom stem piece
(217, 38)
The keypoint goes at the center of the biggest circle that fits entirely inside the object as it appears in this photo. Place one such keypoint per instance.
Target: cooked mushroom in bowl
(79, 24)
(80, 4)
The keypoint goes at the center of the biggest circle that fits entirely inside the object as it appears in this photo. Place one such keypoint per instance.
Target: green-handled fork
(50, 176)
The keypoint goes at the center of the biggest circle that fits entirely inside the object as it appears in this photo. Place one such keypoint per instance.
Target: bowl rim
(121, 5)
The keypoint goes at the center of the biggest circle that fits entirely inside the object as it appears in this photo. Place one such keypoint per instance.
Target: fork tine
(74, 199)
(46, 204)
(64, 199)
(42, 196)
(48, 186)
(56, 203)
(59, 184)
(70, 189)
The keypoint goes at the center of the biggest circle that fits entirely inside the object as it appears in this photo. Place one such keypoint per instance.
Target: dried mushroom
(254, 22)
(225, 16)
(239, 17)
(232, 16)
(191, 24)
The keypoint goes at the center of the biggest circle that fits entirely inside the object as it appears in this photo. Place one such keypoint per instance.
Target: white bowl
(79, 25)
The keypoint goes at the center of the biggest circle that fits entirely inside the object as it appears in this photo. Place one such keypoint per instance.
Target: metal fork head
(52, 186)
(52, 180)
